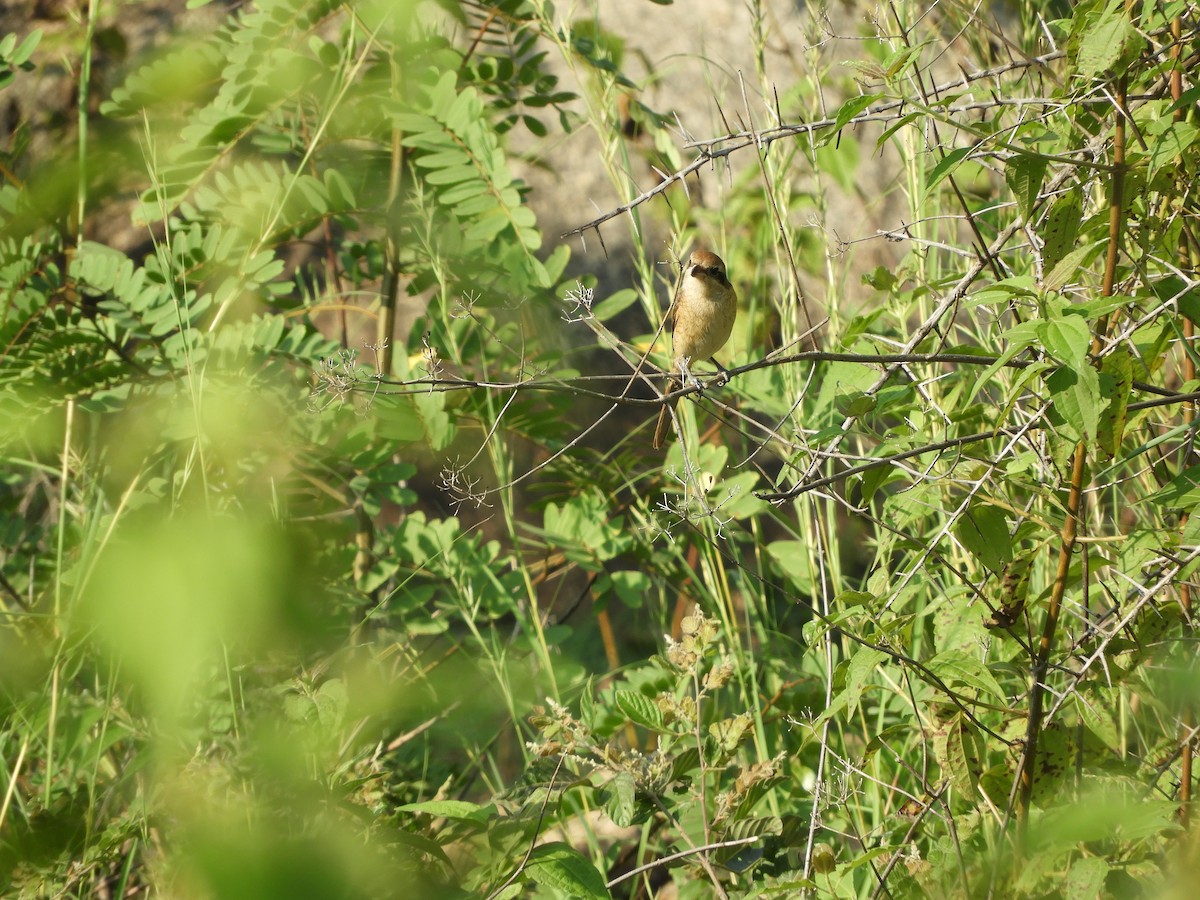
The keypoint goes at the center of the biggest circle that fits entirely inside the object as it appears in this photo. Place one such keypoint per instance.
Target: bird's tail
(664, 416)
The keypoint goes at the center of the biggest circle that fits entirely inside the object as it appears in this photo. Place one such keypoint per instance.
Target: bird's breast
(703, 324)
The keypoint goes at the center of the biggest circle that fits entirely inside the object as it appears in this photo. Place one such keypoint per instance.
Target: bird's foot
(685, 374)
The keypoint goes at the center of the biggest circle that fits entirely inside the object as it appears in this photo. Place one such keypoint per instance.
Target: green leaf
(959, 753)
(860, 668)
(840, 160)
(1105, 815)
(452, 809)
(21, 55)
(852, 108)
(1014, 591)
(585, 520)
(397, 419)
(631, 586)
(415, 127)
(1117, 383)
(613, 304)
(960, 667)
(1066, 338)
(619, 797)
(436, 424)
(983, 530)
(535, 126)
(946, 166)
(1066, 269)
(475, 206)
(1186, 101)
(1105, 40)
(847, 599)
(1182, 493)
(640, 709)
(1020, 287)
(442, 159)
(686, 762)
(1076, 396)
(1098, 718)
(896, 126)
(900, 59)
(1016, 340)
(263, 265)
(464, 111)
(587, 703)
(456, 195)
(1169, 146)
(1086, 878)
(1060, 228)
(564, 868)
(452, 175)
(487, 227)
(443, 94)
(855, 404)
(1024, 175)
(792, 558)
(1077, 399)
(729, 733)
(872, 480)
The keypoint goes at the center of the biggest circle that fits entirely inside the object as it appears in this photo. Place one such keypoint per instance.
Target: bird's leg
(685, 372)
(722, 376)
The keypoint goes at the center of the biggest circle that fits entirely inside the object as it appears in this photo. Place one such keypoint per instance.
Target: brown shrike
(700, 320)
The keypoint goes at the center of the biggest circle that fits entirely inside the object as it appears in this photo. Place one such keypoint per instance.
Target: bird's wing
(669, 318)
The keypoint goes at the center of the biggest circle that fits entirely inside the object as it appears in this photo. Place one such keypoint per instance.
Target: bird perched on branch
(700, 320)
